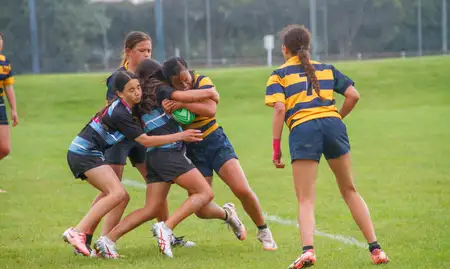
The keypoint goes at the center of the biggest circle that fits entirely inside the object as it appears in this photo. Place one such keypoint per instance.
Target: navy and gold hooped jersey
(110, 93)
(115, 124)
(290, 86)
(6, 76)
(206, 124)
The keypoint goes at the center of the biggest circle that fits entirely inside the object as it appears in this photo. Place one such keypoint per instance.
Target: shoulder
(119, 110)
(319, 66)
(111, 77)
(4, 60)
(202, 82)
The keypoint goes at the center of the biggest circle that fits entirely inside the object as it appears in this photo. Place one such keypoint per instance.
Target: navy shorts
(3, 115)
(80, 164)
(311, 139)
(118, 153)
(212, 153)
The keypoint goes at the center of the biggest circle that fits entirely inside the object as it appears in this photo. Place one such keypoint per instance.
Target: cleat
(266, 238)
(76, 239)
(379, 256)
(307, 259)
(163, 235)
(234, 222)
(76, 252)
(106, 248)
(180, 242)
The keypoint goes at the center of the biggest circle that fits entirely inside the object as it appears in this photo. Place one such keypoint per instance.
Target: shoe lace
(265, 235)
(178, 240)
(82, 238)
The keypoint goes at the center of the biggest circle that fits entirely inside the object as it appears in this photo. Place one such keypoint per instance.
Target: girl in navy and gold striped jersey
(302, 94)
(215, 152)
(6, 87)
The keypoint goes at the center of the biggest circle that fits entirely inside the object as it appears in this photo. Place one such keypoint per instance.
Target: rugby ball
(183, 116)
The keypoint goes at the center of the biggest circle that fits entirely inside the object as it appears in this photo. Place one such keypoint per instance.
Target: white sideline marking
(133, 183)
(341, 238)
(348, 240)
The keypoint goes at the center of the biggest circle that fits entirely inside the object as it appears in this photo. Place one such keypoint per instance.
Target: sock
(88, 239)
(262, 227)
(374, 245)
(226, 215)
(306, 248)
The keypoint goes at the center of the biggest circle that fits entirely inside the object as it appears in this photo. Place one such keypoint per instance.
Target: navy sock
(306, 248)
(262, 227)
(374, 245)
(88, 239)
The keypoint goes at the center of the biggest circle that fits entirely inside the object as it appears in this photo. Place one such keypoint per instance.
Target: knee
(208, 195)
(120, 196)
(348, 190)
(126, 198)
(4, 151)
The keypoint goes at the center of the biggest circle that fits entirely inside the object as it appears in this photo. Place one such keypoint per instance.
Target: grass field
(400, 143)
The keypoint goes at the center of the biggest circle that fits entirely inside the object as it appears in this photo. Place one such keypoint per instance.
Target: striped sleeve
(205, 83)
(274, 90)
(9, 79)
(341, 81)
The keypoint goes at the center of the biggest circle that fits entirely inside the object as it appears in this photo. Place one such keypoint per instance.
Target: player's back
(290, 84)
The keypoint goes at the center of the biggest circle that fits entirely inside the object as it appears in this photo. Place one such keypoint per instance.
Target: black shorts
(118, 153)
(80, 164)
(166, 165)
(3, 115)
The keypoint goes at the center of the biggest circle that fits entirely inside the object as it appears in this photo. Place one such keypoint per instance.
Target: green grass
(399, 134)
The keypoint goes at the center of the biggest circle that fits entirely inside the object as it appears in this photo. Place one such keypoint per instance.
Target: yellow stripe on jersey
(6, 75)
(9, 81)
(211, 129)
(202, 82)
(274, 92)
(289, 85)
(304, 97)
(199, 124)
(206, 124)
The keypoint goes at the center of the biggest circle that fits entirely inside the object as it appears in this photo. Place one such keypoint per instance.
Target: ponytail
(309, 70)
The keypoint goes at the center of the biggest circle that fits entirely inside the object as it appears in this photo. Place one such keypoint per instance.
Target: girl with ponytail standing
(302, 94)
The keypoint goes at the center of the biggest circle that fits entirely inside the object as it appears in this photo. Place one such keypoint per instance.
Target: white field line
(348, 240)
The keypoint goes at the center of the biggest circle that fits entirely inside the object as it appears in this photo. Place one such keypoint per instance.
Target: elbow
(355, 98)
(211, 112)
(352, 95)
(279, 108)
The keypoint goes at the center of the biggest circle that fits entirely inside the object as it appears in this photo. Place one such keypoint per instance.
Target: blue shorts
(311, 139)
(3, 115)
(212, 153)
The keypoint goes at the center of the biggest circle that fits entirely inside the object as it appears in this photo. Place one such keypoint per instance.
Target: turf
(399, 134)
